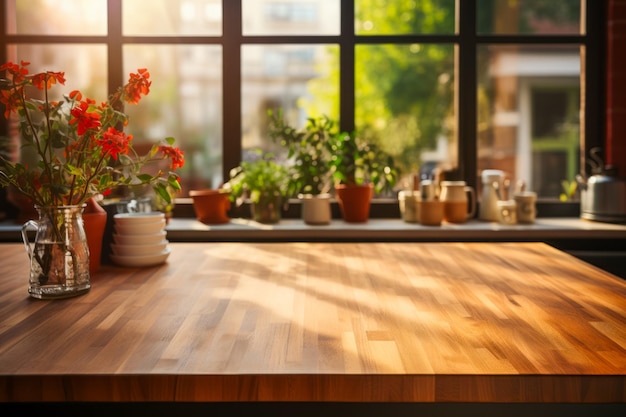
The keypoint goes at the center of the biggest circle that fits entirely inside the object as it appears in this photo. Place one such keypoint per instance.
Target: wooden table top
(396, 322)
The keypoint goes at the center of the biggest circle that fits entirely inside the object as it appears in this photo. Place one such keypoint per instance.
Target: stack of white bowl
(139, 239)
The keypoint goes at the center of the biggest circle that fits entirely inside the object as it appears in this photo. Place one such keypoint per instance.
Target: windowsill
(188, 229)
(377, 229)
(555, 222)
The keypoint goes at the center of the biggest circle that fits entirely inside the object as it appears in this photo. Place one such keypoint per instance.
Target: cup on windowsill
(507, 211)
(526, 206)
(430, 212)
(409, 205)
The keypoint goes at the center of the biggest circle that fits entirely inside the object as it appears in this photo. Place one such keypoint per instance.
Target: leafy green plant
(254, 179)
(309, 149)
(354, 162)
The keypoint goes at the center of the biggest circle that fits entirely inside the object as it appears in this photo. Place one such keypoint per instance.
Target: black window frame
(466, 39)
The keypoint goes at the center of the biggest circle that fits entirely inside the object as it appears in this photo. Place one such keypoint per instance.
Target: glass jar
(59, 255)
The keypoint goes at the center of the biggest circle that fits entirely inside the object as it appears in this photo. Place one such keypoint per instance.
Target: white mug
(507, 211)
(409, 207)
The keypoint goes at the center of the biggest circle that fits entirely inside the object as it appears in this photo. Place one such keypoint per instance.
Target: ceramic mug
(526, 211)
(507, 211)
(459, 201)
(409, 205)
(430, 212)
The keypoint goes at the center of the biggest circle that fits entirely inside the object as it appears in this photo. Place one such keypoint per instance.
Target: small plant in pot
(360, 170)
(264, 182)
(309, 149)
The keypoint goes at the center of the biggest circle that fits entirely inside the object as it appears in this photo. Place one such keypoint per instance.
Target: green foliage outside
(405, 91)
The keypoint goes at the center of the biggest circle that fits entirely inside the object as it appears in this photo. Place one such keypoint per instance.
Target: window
(458, 86)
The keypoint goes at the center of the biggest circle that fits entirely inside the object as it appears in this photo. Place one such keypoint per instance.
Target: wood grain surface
(395, 322)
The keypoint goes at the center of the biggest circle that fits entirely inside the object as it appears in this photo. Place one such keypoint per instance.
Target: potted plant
(359, 169)
(82, 153)
(309, 150)
(264, 182)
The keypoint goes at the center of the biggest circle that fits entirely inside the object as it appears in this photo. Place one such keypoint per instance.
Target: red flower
(17, 72)
(47, 79)
(11, 100)
(115, 142)
(138, 85)
(88, 134)
(177, 156)
(76, 95)
(86, 120)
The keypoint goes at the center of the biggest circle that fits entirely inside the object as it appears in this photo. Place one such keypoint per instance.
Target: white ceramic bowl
(140, 228)
(134, 218)
(139, 250)
(143, 260)
(150, 239)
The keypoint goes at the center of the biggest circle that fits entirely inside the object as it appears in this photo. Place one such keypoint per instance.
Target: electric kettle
(603, 194)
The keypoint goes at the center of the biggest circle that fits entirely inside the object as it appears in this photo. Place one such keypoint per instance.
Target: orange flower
(76, 95)
(17, 72)
(84, 118)
(48, 79)
(115, 142)
(138, 85)
(78, 142)
(11, 100)
(177, 156)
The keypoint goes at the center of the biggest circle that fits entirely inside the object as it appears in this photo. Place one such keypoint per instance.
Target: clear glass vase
(59, 256)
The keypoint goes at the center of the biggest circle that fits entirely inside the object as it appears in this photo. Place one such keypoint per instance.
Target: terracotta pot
(354, 201)
(211, 206)
(94, 220)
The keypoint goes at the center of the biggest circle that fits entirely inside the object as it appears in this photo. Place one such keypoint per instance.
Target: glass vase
(59, 255)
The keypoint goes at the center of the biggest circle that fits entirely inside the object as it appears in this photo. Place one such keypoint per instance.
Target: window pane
(85, 68)
(397, 17)
(529, 114)
(302, 80)
(185, 102)
(405, 102)
(167, 17)
(290, 17)
(61, 17)
(545, 17)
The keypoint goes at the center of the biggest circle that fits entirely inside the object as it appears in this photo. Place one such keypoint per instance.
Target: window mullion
(231, 86)
(592, 88)
(115, 48)
(466, 92)
(346, 64)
